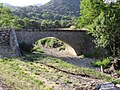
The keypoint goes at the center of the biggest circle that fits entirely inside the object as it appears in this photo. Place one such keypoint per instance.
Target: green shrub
(50, 42)
(105, 62)
(38, 49)
(62, 48)
(97, 63)
(118, 72)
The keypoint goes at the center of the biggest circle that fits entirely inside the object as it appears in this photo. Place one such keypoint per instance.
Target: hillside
(62, 7)
(12, 6)
(53, 10)
(54, 14)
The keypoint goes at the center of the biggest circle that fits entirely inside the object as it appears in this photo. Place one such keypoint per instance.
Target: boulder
(106, 86)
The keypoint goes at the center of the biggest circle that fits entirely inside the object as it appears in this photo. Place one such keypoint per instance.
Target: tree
(7, 19)
(102, 20)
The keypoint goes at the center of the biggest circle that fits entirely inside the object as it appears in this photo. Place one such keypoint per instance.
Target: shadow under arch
(68, 48)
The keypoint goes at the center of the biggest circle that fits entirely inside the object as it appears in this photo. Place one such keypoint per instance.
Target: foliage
(17, 77)
(62, 47)
(54, 14)
(105, 62)
(37, 49)
(102, 20)
(53, 10)
(118, 72)
(50, 42)
(7, 19)
(62, 7)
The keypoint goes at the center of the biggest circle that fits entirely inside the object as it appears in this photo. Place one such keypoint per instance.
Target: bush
(50, 42)
(38, 49)
(62, 48)
(103, 62)
(118, 72)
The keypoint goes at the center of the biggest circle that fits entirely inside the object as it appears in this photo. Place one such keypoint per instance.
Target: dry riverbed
(4, 86)
(54, 71)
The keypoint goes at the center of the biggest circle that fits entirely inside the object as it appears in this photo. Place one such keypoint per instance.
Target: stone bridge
(78, 41)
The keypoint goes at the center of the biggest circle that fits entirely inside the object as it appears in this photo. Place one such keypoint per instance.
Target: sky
(109, 1)
(23, 2)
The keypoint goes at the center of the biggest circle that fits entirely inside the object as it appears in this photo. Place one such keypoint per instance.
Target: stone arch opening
(78, 41)
(54, 46)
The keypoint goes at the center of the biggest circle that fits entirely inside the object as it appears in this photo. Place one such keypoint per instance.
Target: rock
(106, 86)
(115, 75)
(78, 88)
(82, 88)
(116, 64)
(117, 85)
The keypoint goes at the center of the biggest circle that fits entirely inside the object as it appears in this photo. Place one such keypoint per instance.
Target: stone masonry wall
(4, 37)
(14, 43)
(8, 39)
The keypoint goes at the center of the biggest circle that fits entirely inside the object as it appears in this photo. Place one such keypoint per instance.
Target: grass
(74, 69)
(27, 73)
(17, 77)
(105, 62)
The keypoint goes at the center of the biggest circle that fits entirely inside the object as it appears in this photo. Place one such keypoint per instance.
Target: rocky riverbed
(4, 86)
(64, 55)
(59, 77)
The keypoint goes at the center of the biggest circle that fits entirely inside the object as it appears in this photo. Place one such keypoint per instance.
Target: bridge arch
(79, 41)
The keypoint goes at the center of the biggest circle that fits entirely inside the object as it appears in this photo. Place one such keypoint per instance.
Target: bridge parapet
(49, 30)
